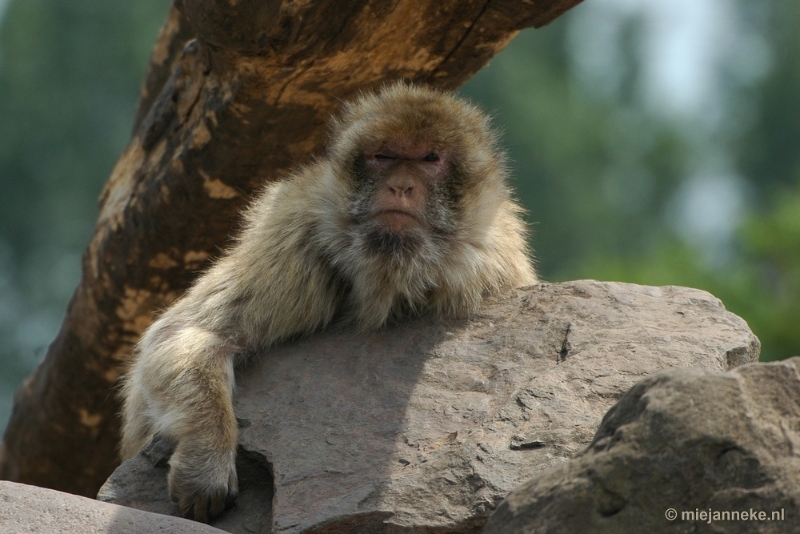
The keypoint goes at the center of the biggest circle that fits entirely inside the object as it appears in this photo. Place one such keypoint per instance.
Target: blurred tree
(69, 79)
(768, 151)
(771, 304)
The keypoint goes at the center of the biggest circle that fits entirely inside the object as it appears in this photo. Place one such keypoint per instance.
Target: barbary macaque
(409, 212)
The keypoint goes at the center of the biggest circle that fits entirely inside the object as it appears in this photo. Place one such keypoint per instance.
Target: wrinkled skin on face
(404, 195)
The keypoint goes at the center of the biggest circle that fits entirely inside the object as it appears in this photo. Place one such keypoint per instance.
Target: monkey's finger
(205, 506)
(203, 501)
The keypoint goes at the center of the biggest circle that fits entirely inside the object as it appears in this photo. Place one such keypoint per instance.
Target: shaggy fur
(310, 253)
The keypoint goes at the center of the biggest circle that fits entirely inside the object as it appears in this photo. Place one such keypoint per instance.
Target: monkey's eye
(384, 156)
(431, 157)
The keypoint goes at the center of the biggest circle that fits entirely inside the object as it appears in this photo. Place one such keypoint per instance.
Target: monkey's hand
(202, 482)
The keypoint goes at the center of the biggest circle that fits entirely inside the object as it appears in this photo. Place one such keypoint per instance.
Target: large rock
(37, 510)
(429, 424)
(686, 450)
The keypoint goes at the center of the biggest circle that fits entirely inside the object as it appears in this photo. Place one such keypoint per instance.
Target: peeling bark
(237, 93)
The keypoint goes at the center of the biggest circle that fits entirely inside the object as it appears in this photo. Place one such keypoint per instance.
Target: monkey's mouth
(397, 219)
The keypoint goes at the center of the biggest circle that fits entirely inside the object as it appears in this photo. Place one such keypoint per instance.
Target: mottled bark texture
(237, 93)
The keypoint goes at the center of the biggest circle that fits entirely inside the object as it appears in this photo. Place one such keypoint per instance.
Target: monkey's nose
(400, 188)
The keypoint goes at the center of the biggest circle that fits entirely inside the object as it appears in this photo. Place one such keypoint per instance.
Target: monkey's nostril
(400, 190)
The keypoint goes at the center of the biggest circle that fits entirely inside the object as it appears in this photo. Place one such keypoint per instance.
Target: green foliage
(69, 80)
(773, 304)
(769, 151)
(761, 285)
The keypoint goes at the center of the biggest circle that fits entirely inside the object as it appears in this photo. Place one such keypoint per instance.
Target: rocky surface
(427, 425)
(686, 450)
(30, 509)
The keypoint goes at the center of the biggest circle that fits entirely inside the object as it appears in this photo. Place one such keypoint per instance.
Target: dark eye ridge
(431, 157)
(383, 156)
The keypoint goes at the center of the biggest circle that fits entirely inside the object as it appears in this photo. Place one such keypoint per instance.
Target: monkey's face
(420, 174)
(405, 197)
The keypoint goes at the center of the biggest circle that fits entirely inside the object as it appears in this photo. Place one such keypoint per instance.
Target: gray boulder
(30, 509)
(427, 425)
(686, 450)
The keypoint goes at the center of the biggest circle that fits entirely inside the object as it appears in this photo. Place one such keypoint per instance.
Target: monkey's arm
(181, 386)
(269, 287)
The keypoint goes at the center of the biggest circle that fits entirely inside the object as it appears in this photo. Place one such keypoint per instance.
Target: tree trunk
(236, 94)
